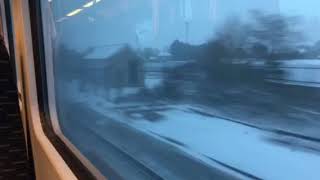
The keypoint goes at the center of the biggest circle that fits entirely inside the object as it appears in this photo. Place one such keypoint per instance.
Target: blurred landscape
(258, 72)
(251, 89)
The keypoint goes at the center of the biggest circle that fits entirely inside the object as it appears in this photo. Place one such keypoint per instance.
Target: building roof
(114, 55)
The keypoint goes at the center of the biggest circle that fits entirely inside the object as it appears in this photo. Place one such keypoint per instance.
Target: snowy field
(301, 72)
(257, 151)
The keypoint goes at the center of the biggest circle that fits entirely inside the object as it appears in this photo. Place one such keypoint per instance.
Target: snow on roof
(106, 57)
(103, 52)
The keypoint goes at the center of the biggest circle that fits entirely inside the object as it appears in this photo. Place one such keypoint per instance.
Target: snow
(152, 82)
(301, 62)
(289, 82)
(236, 145)
(305, 72)
(301, 72)
(204, 137)
(104, 51)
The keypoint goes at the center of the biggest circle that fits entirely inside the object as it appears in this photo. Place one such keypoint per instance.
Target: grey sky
(300, 7)
(156, 23)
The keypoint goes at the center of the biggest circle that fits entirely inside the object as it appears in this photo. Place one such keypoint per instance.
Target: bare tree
(233, 34)
(278, 32)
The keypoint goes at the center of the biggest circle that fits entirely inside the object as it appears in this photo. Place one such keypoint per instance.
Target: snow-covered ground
(211, 139)
(313, 63)
(267, 150)
(154, 70)
(301, 72)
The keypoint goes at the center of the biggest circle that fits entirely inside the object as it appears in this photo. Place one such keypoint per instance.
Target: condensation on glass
(189, 89)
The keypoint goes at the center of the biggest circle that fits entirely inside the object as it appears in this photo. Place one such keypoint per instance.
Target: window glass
(188, 89)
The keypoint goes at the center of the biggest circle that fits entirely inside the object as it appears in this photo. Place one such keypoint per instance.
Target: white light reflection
(88, 4)
(61, 19)
(74, 12)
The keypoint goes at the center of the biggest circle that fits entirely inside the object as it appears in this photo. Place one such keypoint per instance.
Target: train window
(187, 89)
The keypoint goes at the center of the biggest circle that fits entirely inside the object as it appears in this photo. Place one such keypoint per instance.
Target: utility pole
(187, 31)
(186, 11)
(155, 19)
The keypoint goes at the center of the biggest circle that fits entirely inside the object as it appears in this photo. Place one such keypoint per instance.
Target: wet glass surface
(190, 88)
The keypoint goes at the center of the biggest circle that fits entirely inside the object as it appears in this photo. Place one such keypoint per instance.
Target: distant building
(123, 69)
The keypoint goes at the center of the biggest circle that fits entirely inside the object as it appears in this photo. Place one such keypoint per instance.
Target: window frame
(77, 164)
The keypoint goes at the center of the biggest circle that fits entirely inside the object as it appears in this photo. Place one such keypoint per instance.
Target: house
(122, 69)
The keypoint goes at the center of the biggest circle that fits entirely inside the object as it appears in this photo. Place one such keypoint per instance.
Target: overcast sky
(301, 7)
(157, 23)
